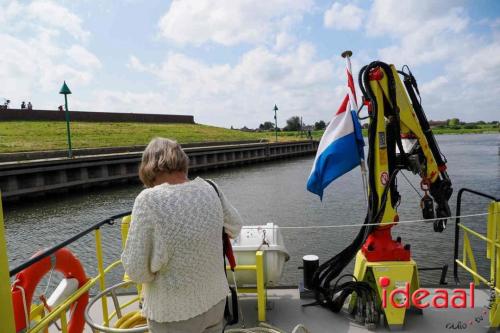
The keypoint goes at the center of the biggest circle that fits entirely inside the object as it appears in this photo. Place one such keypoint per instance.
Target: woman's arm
(232, 219)
(137, 255)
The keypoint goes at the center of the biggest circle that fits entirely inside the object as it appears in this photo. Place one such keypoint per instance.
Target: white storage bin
(266, 238)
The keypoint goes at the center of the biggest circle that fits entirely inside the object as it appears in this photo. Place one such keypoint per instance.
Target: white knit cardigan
(174, 248)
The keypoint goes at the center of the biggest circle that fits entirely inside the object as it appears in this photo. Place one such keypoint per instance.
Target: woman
(174, 246)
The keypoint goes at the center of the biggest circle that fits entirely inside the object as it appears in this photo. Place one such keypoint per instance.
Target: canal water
(275, 192)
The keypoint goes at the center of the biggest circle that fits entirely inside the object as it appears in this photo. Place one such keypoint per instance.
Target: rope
(408, 181)
(266, 328)
(53, 266)
(25, 306)
(366, 224)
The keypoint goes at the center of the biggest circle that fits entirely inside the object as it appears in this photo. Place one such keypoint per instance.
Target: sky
(229, 62)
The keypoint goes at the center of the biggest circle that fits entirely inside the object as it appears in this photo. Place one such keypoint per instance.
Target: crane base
(385, 277)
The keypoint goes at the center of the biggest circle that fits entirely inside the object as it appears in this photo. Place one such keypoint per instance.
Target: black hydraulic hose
(333, 267)
(360, 80)
(53, 249)
(411, 85)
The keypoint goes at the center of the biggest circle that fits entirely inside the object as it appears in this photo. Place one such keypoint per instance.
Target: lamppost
(65, 91)
(275, 122)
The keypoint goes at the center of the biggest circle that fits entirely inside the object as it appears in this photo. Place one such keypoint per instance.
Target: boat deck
(285, 311)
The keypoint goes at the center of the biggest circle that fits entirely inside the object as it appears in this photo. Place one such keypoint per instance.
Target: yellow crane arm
(402, 139)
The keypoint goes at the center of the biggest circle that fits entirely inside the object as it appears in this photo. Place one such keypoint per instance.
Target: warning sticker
(384, 178)
(381, 140)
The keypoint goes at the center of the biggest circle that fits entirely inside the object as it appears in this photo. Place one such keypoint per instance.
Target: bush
(319, 125)
(293, 124)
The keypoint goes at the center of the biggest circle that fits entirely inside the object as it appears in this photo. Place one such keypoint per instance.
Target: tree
(266, 126)
(454, 122)
(293, 124)
(319, 125)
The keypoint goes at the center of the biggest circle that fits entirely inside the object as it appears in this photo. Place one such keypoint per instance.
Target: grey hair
(162, 155)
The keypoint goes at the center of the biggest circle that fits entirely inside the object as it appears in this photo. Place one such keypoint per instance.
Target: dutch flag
(341, 146)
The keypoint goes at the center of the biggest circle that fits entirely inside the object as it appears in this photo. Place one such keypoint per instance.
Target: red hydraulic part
(23, 288)
(379, 246)
(376, 74)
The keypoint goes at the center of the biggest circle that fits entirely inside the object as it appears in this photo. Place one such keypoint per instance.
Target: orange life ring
(62, 261)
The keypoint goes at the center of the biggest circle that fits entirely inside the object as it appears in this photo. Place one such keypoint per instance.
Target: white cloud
(135, 64)
(83, 57)
(348, 17)
(284, 41)
(431, 39)
(126, 101)
(434, 84)
(244, 94)
(53, 15)
(229, 22)
(38, 63)
(436, 37)
(397, 18)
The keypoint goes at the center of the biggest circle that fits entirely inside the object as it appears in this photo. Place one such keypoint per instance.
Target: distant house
(246, 129)
(436, 123)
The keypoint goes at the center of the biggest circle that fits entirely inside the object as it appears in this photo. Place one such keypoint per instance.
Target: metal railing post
(64, 322)
(261, 291)
(7, 323)
(102, 278)
(494, 211)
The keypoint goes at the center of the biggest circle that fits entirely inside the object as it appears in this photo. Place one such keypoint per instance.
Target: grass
(17, 136)
(479, 129)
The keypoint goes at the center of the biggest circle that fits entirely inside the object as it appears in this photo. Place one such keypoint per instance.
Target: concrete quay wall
(23, 179)
(80, 152)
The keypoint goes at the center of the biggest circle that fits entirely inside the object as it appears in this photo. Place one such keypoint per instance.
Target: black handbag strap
(231, 318)
(214, 186)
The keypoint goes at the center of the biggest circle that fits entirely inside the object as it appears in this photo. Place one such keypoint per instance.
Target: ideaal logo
(400, 298)
(441, 298)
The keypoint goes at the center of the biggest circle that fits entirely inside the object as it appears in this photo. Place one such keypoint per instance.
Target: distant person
(60, 107)
(23, 105)
(30, 106)
(5, 105)
(309, 134)
(174, 246)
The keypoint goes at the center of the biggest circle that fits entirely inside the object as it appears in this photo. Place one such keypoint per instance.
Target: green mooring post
(275, 122)
(65, 91)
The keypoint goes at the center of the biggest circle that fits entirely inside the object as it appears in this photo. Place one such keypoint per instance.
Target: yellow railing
(7, 324)
(39, 320)
(468, 261)
(260, 289)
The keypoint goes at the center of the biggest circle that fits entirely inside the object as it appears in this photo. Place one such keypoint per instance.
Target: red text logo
(400, 297)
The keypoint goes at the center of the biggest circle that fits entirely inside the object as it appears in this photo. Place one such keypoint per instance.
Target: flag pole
(352, 100)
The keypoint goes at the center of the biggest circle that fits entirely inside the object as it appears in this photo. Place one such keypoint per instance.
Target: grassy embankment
(16, 136)
(467, 129)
